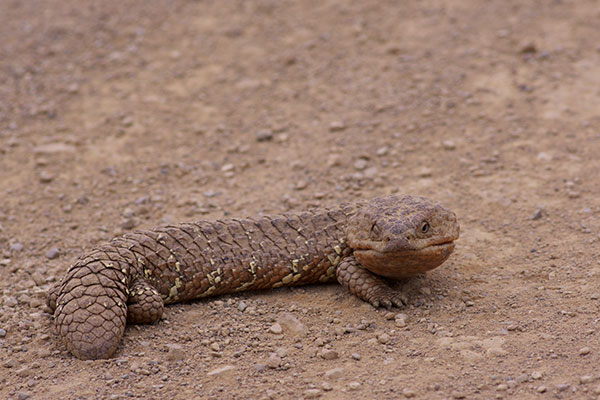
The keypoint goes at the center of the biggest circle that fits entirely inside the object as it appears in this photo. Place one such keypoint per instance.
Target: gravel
(264, 135)
(53, 253)
(274, 361)
(329, 354)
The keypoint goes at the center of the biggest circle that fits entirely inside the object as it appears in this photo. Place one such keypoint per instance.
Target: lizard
(360, 244)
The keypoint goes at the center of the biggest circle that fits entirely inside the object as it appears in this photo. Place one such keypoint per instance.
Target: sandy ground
(126, 115)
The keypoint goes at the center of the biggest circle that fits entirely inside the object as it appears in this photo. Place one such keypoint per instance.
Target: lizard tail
(91, 306)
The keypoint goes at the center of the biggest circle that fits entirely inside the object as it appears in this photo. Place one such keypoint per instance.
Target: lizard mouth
(400, 264)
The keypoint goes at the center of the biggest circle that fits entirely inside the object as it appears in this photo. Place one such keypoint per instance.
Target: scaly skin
(359, 244)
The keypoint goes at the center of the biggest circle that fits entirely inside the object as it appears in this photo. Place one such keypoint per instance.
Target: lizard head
(401, 236)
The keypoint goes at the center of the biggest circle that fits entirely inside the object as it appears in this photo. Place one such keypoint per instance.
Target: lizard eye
(375, 231)
(424, 227)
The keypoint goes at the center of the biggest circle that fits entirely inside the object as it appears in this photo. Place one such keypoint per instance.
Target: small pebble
(24, 371)
(128, 223)
(502, 387)
(214, 346)
(312, 393)
(382, 151)
(424, 172)
(536, 375)
(291, 324)
(537, 214)
(541, 389)
(334, 373)
(52, 253)
(383, 338)
(46, 177)
(175, 352)
(2, 333)
(389, 315)
(496, 352)
(336, 126)
(38, 278)
(326, 386)
(242, 306)
(360, 164)
(23, 395)
(354, 385)
(584, 351)
(222, 370)
(585, 379)
(458, 395)
(264, 135)
(16, 247)
(448, 145)
(301, 185)
(561, 387)
(328, 354)
(274, 361)
(276, 328)
(227, 167)
(356, 356)
(409, 393)
(400, 319)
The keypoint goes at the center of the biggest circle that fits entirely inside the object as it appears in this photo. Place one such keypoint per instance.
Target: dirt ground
(122, 115)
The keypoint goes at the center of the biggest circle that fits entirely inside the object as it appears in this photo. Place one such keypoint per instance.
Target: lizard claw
(387, 297)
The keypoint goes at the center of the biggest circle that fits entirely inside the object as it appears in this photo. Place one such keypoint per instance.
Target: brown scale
(358, 244)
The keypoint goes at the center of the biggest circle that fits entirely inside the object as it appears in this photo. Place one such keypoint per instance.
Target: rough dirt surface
(116, 116)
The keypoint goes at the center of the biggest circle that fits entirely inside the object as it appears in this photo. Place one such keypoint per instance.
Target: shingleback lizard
(360, 244)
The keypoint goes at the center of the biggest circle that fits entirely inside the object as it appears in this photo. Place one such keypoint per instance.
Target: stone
(52, 253)
(584, 351)
(274, 361)
(312, 393)
(221, 370)
(537, 214)
(329, 354)
(334, 373)
(448, 145)
(382, 151)
(46, 177)
(360, 164)
(264, 135)
(496, 352)
(16, 247)
(424, 172)
(38, 278)
(175, 352)
(337, 126)
(24, 372)
(54, 148)
(23, 395)
(383, 338)
(290, 324)
(276, 328)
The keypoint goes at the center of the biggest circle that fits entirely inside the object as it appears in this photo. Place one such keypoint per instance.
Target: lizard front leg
(366, 285)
